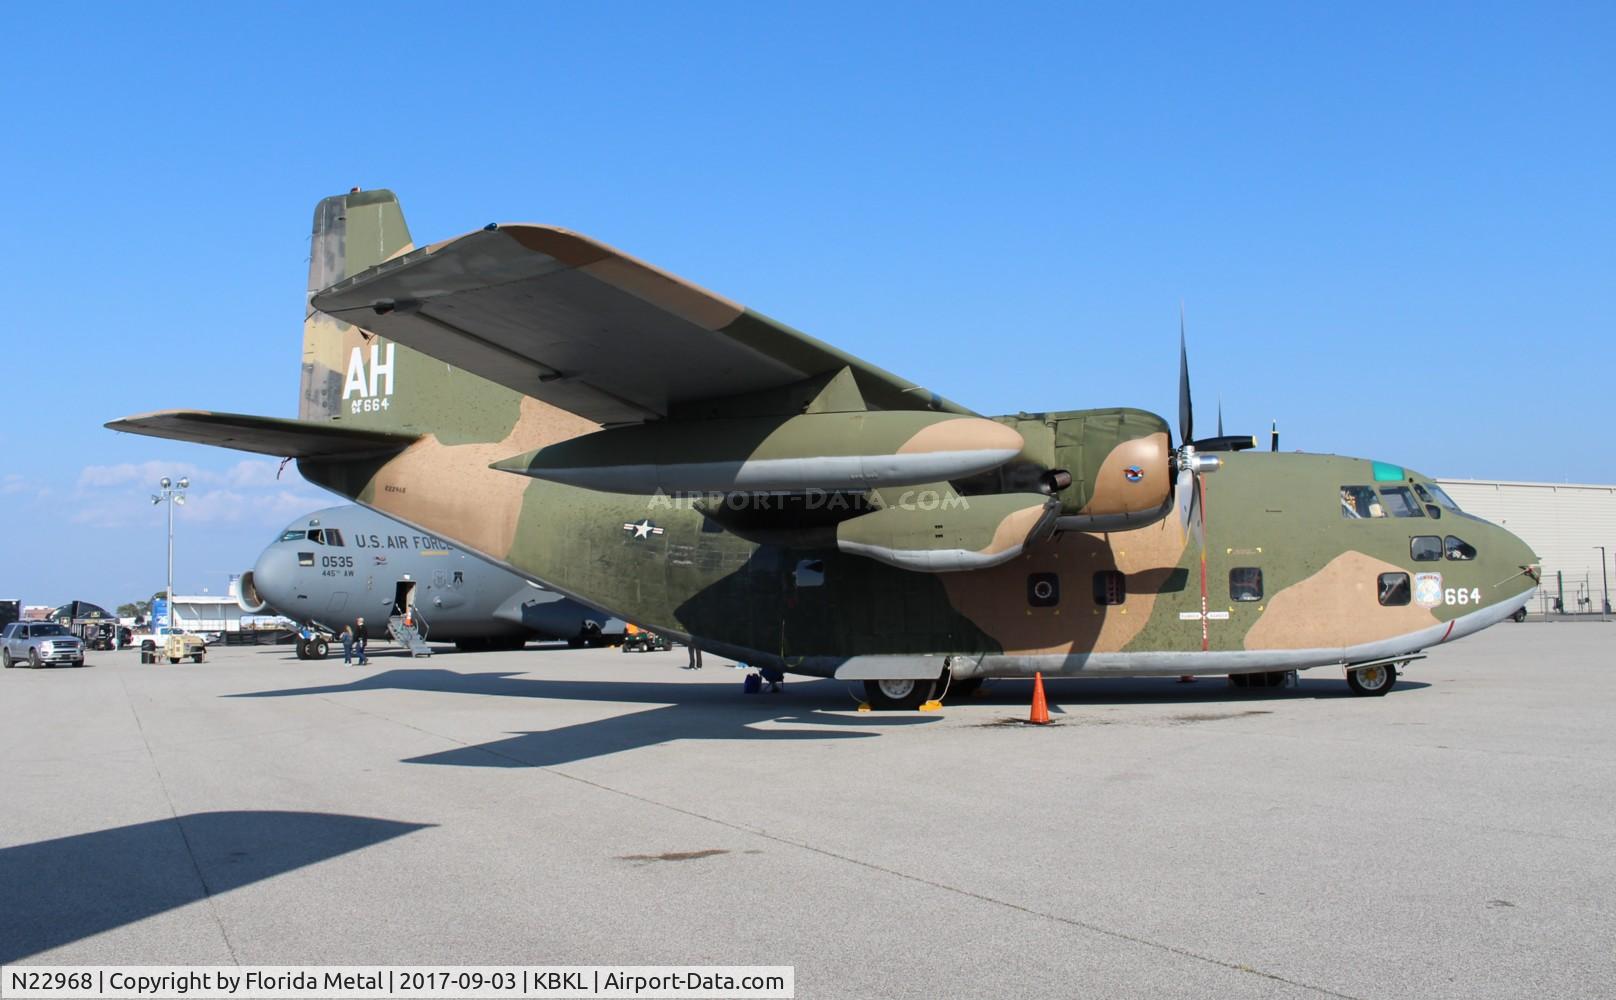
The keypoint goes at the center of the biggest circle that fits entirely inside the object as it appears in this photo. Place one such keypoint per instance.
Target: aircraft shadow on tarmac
(58, 891)
(809, 710)
(684, 711)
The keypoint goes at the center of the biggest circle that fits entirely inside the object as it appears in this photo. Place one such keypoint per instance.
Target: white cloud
(234, 506)
(147, 474)
(254, 472)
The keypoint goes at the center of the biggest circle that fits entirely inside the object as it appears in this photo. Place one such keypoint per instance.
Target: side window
(333, 537)
(1245, 583)
(1425, 548)
(1394, 589)
(1400, 501)
(1043, 590)
(1110, 587)
(1460, 550)
(1360, 502)
(305, 558)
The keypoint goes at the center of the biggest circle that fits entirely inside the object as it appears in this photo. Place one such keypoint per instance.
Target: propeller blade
(1199, 503)
(1200, 537)
(1273, 441)
(1186, 419)
(1184, 494)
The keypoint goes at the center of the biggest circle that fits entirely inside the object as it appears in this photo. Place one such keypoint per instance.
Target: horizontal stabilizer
(264, 435)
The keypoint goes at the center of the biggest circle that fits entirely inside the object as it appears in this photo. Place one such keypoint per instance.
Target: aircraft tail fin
(364, 381)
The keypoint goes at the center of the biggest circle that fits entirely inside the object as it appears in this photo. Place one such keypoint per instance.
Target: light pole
(172, 493)
(1604, 583)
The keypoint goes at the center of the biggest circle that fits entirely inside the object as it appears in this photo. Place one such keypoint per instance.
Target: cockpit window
(1360, 502)
(1443, 498)
(291, 535)
(1425, 498)
(1400, 501)
(333, 537)
(1460, 550)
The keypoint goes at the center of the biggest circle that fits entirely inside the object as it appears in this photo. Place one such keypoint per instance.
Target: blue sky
(1390, 225)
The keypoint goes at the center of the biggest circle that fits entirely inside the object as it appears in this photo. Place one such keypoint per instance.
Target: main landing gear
(904, 693)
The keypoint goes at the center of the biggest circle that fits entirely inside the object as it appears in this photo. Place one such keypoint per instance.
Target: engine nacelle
(1120, 461)
(247, 596)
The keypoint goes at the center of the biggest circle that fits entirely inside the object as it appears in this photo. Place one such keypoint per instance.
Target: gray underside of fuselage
(1147, 663)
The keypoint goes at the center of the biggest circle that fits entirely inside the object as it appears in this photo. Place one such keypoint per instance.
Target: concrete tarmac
(553, 806)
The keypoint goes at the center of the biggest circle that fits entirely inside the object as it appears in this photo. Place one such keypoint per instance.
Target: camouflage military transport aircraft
(659, 451)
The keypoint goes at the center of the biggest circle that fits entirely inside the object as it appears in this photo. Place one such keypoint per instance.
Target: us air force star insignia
(643, 528)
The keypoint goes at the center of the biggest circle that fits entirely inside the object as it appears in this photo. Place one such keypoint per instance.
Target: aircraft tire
(1380, 679)
(1519, 616)
(898, 695)
(317, 649)
(301, 648)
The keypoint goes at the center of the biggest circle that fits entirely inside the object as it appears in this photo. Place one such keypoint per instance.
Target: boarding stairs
(407, 636)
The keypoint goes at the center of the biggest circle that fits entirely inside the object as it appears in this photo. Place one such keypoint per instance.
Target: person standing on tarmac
(347, 644)
(359, 640)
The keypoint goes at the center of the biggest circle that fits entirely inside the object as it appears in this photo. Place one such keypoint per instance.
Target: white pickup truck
(173, 644)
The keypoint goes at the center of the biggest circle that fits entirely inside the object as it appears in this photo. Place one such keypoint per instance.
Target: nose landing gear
(1372, 680)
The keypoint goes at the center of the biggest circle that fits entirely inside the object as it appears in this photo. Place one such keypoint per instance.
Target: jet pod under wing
(264, 435)
(577, 324)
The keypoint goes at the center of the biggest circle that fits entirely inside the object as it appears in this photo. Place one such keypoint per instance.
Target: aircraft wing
(264, 435)
(584, 327)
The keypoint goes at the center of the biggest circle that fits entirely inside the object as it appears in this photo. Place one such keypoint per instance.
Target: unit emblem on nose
(1428, 589)
(1133, 473)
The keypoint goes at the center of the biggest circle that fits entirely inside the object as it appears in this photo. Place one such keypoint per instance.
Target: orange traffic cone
(1040, 708)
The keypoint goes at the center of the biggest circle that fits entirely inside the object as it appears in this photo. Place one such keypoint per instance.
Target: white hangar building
(1563, 522)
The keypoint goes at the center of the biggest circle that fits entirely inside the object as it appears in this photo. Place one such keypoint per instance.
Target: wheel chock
(864, 706)
(932, 706)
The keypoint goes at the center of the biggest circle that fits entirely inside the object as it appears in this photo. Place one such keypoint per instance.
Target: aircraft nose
(1518, 565)
(273, 577)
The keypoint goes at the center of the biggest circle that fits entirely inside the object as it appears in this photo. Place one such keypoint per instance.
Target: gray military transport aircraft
(331, 567)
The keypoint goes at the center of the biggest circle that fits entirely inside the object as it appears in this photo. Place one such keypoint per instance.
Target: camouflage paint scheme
(779, 582)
